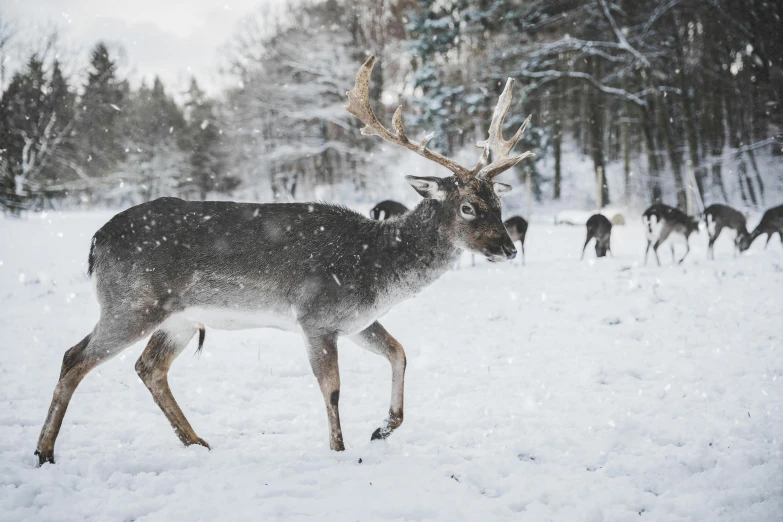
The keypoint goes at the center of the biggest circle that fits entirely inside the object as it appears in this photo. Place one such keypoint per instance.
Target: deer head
(469, 200)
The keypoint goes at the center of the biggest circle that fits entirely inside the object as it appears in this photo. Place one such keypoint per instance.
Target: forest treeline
(667, 91)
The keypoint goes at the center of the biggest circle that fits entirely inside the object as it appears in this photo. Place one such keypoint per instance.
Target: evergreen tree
(461, 73)
(153, 134)
(205, 154)
(100, 146)
(24, 122)
(59, 101)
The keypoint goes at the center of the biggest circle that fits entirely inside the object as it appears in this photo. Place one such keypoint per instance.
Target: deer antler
(499, 147)
(359, 106)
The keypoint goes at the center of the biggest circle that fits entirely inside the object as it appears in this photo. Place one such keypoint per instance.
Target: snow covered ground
(562, 390)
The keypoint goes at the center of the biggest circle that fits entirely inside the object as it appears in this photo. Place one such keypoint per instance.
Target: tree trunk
(557, 135)
(687, 105)
(735, 142)
(675, 160)
(652, 157)
(596, 113)
(746, 138)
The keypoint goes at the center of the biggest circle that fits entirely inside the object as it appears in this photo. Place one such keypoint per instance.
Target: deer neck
(418, 245)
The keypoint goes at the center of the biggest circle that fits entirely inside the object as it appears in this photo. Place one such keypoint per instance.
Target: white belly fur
(228, 319)
(710, 225)
(225, 319)
(653, 229)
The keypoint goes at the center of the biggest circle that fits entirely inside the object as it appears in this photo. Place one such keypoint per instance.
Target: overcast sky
(170, 38)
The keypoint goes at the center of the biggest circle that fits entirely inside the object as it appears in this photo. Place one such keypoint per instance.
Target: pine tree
(100, 145)
(59, 101)
(24, 121)
(153, 134)
(461, 73)
(206, 159)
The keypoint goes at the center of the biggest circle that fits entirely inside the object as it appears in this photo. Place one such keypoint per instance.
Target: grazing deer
(662, 221)
(771, 222)
(168, 267)
(387, 209)
(719, 217)
(516, 226)
(600, 228)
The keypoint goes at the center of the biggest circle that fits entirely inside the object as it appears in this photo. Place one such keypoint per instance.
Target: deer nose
(509, 251)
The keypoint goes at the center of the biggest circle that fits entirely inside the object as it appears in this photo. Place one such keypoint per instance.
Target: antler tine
(495, 143)
(359, 106)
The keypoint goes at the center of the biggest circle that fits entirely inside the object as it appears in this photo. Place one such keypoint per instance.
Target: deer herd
(166, 269)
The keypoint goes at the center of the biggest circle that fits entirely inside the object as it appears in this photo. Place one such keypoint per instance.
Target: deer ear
(501, 189)
(428, 187)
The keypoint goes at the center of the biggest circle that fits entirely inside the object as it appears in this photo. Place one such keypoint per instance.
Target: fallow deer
(771, 223)
(168, 267)
(387, 209)
(717, 217)
(516, 226)
(662, 221)
(600, 228)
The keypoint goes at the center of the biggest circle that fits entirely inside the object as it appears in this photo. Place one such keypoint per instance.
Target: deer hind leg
(153, 367)
(376, 339)
(109, 337)
(322, 352)
(687, 251)
(713, 238)
(655, 251)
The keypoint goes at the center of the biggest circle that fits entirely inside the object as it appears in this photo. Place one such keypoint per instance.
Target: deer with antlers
(167, 268)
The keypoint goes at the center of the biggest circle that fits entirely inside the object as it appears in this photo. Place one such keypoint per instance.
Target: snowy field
(562, 390)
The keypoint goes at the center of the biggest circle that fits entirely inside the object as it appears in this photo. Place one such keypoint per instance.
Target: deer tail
(202, 333)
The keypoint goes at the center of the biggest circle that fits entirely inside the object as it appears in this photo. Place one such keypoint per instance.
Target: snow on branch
(554, 75)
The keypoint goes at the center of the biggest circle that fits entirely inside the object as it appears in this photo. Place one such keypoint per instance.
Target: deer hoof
(44, 457)
(381, 433)
(200, 442)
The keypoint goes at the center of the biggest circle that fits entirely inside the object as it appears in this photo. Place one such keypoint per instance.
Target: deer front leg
(589, 237)
(376, 339)
(322, 352)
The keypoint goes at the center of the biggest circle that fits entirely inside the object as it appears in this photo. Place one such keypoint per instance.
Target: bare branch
(620, 37)
(552, 74)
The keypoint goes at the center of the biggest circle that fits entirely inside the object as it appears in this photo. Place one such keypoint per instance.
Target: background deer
(166, 268)
(387, 209)
(600, 228)
(718, 217)
(771, 223)
(516, 226)
(662, 221)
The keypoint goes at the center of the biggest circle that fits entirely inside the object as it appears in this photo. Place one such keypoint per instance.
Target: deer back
(314, 263)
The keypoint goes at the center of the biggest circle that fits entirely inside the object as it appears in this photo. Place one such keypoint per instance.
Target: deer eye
(467, 211)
